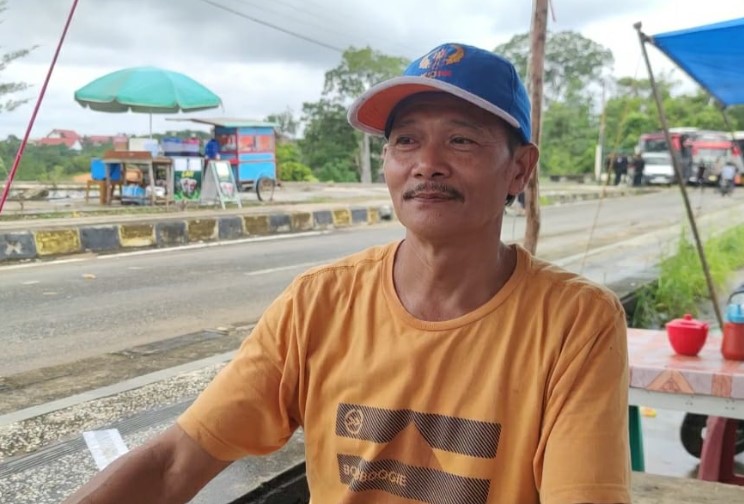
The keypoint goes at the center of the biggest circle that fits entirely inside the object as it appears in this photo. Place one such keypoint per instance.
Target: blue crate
(98, 170)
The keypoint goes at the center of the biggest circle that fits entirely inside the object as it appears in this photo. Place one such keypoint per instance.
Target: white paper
(105, 446)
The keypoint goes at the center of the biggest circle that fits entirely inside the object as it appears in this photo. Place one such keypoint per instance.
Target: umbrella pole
(150, 125)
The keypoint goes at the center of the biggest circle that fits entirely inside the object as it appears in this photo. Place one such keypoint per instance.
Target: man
(728, 177)
(211, 150)
(621, 168)
(449, 367)
(639, 164)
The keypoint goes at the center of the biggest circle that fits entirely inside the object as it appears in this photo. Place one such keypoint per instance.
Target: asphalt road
(62, 311)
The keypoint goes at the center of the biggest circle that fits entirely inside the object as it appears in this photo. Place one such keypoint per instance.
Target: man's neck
(437, 282)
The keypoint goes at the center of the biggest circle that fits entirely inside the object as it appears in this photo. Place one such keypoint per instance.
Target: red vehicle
(696, 148)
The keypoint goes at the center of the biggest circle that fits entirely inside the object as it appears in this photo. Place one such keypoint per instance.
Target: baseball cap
(480, 77)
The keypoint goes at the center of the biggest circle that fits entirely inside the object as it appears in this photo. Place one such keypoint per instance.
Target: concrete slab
(230, 228)
(323, 218)
(302, 221)
(359, 215)
(99, 239)
(341, 217)
(137, 235)
(57, 242)
(280, 223)
(18, 245)
(168, 234)
(256, 224)
(202, 230)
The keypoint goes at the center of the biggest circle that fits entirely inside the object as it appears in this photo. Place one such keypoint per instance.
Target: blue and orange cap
(480, 77)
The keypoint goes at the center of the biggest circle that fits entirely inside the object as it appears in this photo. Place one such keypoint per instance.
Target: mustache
(434, 187)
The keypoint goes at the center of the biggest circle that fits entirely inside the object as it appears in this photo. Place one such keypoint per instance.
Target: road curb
(163, 231)
(62, 241)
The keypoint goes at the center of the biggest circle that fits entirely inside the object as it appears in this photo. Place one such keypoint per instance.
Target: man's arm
(170, 468)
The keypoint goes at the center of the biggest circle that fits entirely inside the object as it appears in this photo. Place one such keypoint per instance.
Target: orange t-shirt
(523, 400)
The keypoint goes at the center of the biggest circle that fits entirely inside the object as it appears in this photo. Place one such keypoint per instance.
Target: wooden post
(365, 160)
(536, 72)
(680, 177)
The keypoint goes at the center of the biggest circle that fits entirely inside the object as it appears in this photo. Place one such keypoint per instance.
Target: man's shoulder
(369, 260)
(548, 280)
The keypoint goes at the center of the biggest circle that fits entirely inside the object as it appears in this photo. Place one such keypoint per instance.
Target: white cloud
(258, 70)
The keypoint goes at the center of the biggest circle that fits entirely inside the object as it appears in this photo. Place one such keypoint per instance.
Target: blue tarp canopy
(713, 55)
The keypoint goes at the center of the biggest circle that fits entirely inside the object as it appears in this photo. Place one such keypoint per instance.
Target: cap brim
(370, 112)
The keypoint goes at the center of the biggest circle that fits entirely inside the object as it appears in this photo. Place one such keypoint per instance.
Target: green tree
(9, 88)
(289, 163)
(359, 70)
(48, 162)
(328, 139)
(569, 137)
(575, 68)
(285, 122)
(572, 62)
(330, 146)
(736, 115)
(294, 171)
(632, 111)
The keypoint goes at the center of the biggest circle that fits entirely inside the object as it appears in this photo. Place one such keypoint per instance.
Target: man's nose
(431, 162)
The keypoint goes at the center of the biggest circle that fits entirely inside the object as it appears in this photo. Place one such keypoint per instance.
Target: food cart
(249, 146)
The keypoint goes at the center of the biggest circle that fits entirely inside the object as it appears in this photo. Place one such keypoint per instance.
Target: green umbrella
(149, 90)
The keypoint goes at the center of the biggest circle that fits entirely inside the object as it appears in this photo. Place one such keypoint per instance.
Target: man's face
(449, 167)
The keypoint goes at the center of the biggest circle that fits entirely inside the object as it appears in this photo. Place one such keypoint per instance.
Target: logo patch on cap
(435, 62)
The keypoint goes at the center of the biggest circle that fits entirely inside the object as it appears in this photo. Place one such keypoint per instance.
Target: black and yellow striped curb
(45, 243)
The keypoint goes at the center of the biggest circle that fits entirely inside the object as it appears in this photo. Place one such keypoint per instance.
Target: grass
(681, 286)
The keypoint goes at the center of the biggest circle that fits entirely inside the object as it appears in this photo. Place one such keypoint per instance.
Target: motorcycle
(725, 186)
(692, 434)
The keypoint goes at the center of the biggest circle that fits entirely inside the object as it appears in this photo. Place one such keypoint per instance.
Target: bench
(653, 489)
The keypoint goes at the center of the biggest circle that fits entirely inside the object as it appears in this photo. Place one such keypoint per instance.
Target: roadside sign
(219, 184)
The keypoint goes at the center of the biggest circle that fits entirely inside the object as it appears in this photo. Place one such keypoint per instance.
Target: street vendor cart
(250, 147)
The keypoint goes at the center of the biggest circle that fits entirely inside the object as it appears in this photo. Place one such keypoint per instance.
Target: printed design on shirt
(407, 465)
(414, 483)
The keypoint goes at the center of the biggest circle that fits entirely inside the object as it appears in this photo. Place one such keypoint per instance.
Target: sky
(258, 70)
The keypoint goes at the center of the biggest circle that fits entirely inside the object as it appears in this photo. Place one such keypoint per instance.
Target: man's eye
(403, 140)
(462, 141)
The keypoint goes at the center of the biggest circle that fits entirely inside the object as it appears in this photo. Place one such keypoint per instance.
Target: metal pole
(643, 38)
(729, 127)
(599, 152)
(537, 67)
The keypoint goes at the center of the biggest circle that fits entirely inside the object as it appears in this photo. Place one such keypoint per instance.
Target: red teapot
(687, 335)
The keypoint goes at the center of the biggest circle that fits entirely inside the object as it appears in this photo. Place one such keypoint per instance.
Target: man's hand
(170, 468)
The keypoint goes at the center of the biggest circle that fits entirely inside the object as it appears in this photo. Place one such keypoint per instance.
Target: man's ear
(525, 160)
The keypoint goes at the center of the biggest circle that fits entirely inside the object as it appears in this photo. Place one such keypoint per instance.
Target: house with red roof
(68, 138)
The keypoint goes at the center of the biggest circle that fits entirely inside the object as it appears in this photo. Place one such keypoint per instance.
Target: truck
(696, 149)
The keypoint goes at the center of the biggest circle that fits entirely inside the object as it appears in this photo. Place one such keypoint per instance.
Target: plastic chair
(719, 450)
